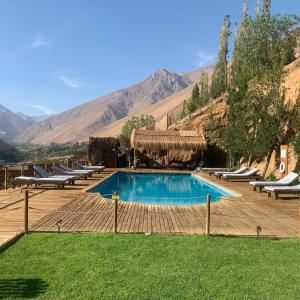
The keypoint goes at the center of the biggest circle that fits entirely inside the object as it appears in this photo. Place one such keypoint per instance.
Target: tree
(204, 90)
(146, 121)
(219, 77)
(256, 100)
(195, 96)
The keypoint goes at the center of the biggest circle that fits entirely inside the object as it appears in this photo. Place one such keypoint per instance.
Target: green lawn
(108, 266)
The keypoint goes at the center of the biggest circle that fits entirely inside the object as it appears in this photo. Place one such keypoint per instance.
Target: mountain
(40, 118)
(93, 117)
(26, 117)
(12, 124)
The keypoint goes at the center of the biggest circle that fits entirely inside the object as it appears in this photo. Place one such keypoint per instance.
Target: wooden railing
(9, 171)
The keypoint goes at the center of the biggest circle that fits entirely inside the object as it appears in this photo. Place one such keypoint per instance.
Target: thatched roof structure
(155, 140)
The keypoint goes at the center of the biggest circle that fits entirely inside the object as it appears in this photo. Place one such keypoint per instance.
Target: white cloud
(38, 42)
(204, 59)
(41, 108)
(68, 80)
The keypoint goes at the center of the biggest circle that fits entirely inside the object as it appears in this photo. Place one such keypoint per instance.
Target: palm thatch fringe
(155, 140)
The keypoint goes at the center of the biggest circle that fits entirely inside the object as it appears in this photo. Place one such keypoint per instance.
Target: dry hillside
(12, 124)
(218, 109)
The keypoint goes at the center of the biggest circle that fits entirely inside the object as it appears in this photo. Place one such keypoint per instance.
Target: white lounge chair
(43, 173)
(277, 190)
(285, 181)
(90, 168)
(88, 172)
(59, 182)
(211, 170)
(251, 174)
(239, 171)
(61, 171)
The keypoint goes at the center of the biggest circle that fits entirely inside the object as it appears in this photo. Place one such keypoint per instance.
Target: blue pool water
(156, 188)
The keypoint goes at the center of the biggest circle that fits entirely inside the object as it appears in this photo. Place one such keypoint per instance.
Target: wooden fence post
(116, 216)
(26, 212)
(22, 170)
(6, 178)
(208, 198)
(116, 198)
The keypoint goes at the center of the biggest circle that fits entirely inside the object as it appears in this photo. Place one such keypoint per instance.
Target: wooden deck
(89, 212)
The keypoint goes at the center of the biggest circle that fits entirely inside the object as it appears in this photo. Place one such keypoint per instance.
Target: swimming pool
(159, 188)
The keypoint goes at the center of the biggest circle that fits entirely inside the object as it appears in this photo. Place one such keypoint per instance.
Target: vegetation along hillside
(253, 102)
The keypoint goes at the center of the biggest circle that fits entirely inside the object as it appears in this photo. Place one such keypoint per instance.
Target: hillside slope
(80, 122)
(105, 115)
(12, 124)
(218, 108)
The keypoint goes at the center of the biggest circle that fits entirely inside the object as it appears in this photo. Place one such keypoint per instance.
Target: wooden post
(22, 170)
(26, 212)
(6, 178)
(116, 216)
(45, 166)
(208, 198)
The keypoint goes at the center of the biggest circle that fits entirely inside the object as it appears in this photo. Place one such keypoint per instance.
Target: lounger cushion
(287, 180)
(239, 171)
(294, 188)
(247, 174)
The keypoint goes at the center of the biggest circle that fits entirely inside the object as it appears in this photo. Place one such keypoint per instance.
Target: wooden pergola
(182, 143)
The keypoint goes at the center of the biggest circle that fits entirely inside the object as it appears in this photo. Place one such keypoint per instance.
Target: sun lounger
(79, 173)
(251, 174)
(88, 172)
(211, 170)
(239, 171)
(277, 190)
(89, 168)
(75, 170)
(285, 181)
(43, 173)
(59, 182)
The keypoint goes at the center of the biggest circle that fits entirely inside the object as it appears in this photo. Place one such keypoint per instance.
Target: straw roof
(155, 140)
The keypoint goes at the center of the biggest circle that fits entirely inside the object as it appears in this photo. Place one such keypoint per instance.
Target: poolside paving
(89, 212)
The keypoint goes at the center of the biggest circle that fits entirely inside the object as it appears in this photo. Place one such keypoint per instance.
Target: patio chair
(43, 173)
(277, 190)
(211, 170)
(59, 182)
(241, 170)
(88, 172)
(251, 174)
(285, 181)
(98, 169)
(61, 171)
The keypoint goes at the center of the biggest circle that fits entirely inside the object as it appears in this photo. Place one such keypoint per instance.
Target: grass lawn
(108, 266)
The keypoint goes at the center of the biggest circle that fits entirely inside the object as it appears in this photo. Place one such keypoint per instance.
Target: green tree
(195, 99)
(256, 100)
(204, 90)
(219, 77)
(145, 121)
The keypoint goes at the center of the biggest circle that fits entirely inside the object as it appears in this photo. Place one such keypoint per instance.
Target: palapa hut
(167, 146)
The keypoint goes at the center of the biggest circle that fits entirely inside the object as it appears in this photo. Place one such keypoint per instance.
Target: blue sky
(57, 54)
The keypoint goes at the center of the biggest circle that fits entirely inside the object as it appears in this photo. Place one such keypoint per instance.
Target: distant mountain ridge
(12, 124)
(89, 119)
